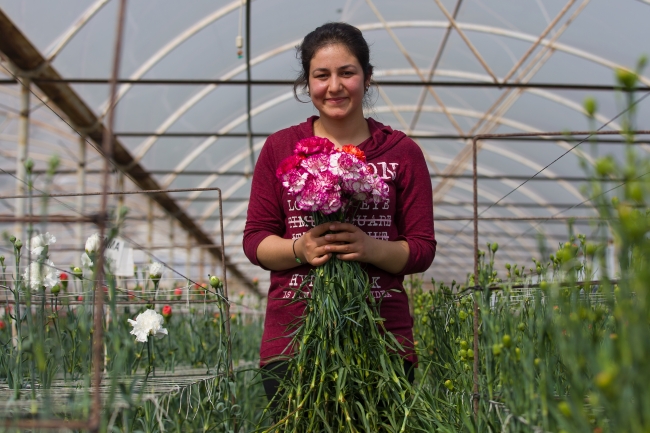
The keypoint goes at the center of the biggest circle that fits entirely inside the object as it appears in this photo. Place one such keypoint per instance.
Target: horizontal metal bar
(248, 174)
(536, 218)
(76, 194)
(413, 135)
(392, 83)
(158, 172)
(50, 219)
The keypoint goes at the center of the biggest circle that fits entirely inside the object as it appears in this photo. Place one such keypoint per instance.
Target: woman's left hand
(349, 242)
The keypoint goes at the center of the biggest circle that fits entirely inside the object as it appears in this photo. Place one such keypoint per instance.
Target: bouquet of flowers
(326, 180)
(347, 373)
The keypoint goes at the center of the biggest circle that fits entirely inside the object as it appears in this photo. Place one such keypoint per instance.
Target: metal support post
(188, 255)
(23, 140)
(201, 265)
(150, 227)
(81, 188)
(120, 187)
(170, 259)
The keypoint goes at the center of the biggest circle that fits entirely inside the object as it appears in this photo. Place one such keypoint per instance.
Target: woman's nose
(335, 84)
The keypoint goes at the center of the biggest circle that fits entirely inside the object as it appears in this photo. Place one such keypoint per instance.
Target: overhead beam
(24, 56)
(289, 83)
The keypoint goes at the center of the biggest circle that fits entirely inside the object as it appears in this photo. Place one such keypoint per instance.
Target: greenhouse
(159, 262)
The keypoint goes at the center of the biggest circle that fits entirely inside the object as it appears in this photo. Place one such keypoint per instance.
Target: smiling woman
(389, 239)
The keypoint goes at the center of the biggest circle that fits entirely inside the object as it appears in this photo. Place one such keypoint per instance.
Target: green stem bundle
(347, 373)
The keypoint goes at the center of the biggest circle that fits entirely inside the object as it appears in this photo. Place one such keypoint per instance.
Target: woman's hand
(349, 242)
(311, 246)
(318, 245)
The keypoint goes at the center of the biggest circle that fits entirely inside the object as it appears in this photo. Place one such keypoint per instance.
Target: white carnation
(39, 275)
(39, 242)
(148, 323)
(92, 244)
(156, 269)
(86, 263)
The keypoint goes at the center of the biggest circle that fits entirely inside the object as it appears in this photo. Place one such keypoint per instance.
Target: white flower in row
(148, 323)
(92, 243)
(39, 242)
(39, 275)
(155, 270)
(86, 263)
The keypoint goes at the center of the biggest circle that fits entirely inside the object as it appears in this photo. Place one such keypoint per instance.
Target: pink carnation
(294, 181)
(287, 164)
(313, 145)
(324, 180)
(316, 164)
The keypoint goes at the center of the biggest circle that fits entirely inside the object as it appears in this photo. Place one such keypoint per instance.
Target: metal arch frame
(26, 57)
(465, 39)
(71, 31)
(174, 43)
(373, 26)
(462, 112)
(269, 104)
(206, 90)
(479, 77)
(507, 98)
(406, 55)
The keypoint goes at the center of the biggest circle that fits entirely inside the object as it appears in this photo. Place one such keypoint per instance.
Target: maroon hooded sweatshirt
(406, 215)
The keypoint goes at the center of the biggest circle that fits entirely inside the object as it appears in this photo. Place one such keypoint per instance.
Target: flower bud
(64, 280)
(449, 385)
(590, 106)
(56, 289)
(167, 312)
(12, 239)
(627, 79)
(18, 244)
(215, 281)
(29, 165)
(494, 247)
(155, 271)
(605, 166)
(77, 272)
(92, 243)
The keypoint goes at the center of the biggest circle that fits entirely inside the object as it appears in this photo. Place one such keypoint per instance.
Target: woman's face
(336, 82)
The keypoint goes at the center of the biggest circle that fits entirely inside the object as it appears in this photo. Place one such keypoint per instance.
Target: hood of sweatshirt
(382, 137)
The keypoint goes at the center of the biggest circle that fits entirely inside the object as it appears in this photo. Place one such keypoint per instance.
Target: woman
(393, 238)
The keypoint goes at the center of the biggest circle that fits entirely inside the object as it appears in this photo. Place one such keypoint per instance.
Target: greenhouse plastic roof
(188, 129)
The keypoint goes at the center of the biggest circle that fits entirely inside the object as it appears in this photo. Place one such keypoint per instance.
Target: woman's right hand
(310, 247)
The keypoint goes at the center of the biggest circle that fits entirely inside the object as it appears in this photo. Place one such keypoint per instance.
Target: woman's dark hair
(328, 34)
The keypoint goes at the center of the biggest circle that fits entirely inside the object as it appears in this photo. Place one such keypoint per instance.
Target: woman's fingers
(320, 260)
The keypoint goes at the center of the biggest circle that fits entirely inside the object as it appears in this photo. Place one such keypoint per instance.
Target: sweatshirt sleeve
(265, 212)
(414, 210)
